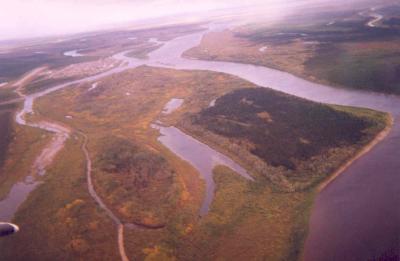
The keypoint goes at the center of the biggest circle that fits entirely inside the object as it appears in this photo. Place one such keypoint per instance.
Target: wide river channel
(357, 216)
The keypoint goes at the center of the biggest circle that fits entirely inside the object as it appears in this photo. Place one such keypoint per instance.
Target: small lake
(172, 105)
(73, 53)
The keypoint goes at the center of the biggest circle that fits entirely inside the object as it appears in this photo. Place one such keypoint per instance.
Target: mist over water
(34, 18)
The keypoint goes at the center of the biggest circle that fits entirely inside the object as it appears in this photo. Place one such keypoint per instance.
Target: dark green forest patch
(6, 129)
(292, 141)
(281, 129)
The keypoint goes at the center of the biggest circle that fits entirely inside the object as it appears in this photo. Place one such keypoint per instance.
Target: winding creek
(20, 191)
(354, 218)
(375, 17)
(375, 21)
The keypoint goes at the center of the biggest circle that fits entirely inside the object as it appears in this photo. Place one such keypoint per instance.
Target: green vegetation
(336, 48)
(15, 64)
(142, 51)
(6, 130)
(293, 142)
(249, 221)
(33, 54)
(42, 84)
(350, 54)
(377, 69)
(143, 182)
(60, 221)
(281, 129)
(20, 152)
(125, 152)
(136, 182)
(7, 94)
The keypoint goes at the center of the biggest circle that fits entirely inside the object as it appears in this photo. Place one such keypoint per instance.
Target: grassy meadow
(146, 184)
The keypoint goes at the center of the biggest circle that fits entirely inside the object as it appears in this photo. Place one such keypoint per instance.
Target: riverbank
(269, 215)
(233, 126)
(316, 92)
(184, 196)
(364, 150)
(317, 53)
(303, 202)
(302, 207)
(127, 118)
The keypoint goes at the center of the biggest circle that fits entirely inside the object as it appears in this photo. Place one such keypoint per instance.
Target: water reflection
(200, 156)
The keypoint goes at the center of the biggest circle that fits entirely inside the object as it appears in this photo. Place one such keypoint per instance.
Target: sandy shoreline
(381, 136)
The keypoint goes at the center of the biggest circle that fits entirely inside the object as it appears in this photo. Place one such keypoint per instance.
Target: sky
(30, 18)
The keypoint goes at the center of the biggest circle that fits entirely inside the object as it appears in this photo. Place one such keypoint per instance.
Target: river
(376, 19)
(201, 157)
(357, 215)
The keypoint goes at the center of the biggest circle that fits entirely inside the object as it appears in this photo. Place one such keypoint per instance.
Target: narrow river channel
(357, 216)
(200, 156)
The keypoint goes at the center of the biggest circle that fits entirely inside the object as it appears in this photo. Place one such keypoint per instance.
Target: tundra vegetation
(6, 132)
(7, 94)
(32, 53)
(293, 142)
(59, 220)
(333, 47)
(19, 146)
(143, 183)
(139, 183)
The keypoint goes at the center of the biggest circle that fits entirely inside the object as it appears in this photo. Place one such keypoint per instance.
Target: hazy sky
(26, 18)
(29, 18)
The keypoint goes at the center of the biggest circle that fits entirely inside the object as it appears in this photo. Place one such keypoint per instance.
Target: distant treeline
(377, 68)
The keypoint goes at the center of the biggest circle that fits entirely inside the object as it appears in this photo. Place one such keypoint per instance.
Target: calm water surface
(358, 215)
(201, 157)
(172, 105)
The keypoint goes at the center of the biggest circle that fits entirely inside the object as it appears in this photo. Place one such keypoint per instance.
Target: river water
(200, 156)
(20, 191)
(355, 217)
